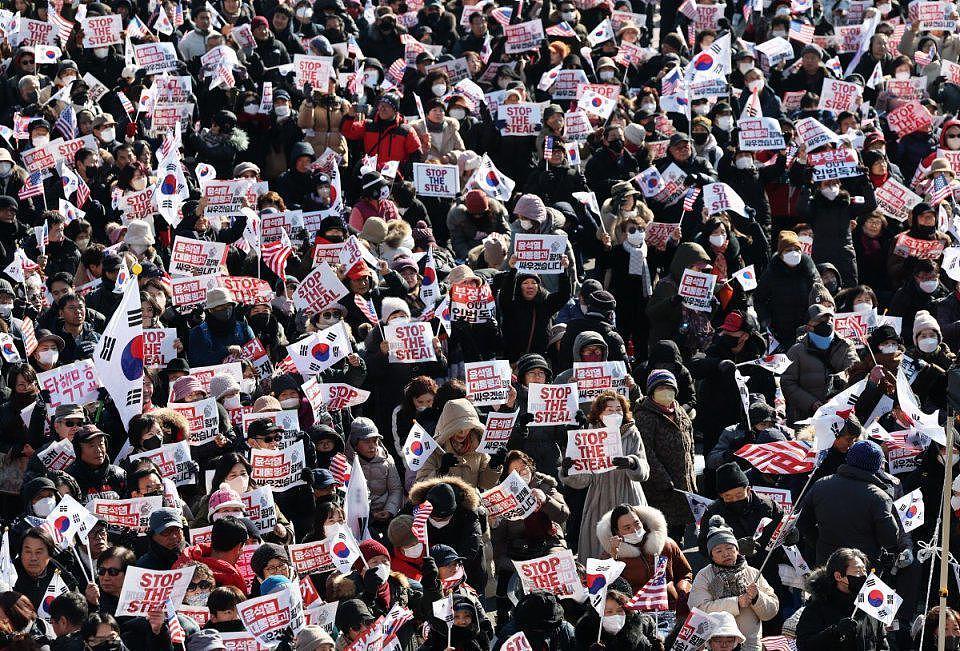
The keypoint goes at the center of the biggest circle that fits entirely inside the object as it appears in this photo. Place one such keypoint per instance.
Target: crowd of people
(460, 326)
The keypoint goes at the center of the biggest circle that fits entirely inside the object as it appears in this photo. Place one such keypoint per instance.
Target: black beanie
(729, 475)
(530, 362)
(266, 553)
(443, 500)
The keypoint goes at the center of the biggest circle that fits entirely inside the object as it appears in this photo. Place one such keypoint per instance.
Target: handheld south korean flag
(118, 356)
(878, 600)
(910, 509)
(343, 549)
(171, 189)
(600, 574)
(418, 447)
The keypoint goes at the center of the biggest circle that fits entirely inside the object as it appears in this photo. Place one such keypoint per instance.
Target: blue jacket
(207, 349)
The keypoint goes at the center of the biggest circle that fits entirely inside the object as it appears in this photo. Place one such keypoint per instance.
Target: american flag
(802, 32)
(670, 81)
(563, 30)
(136, 29)
(653, 595)
(688, 9)
(690, 199)
(779, 457)
(83, 192)
(502, 15)
(33, 186)
(126, 104)
(923, 59)
(177, 15)
(366, 307)
(276, 253)
(63, 26)
(340, 468)
(548, 148)
(779, 643)
(177, 634)
(395, 71)
(940, 189)
(67, 123)
(420, 515)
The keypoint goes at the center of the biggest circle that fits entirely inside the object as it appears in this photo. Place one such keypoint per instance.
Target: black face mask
(109, 645)
(222, 316)
(151, 443)
(823, 329)
(855, 583)
(333, 239)
(615, 145)
(739, 506)
(700, 137)
(260, 321)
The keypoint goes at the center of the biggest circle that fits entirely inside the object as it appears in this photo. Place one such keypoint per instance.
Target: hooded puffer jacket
(473, 467)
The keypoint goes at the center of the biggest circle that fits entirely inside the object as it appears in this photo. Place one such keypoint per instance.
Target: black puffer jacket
(818, 628)
(832, 241)
(781, 297)
(106, 481)
(639, 633)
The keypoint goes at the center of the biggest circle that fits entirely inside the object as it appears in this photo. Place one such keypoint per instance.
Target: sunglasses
(112, 571)
(200, 585)
(73, 422)
(330, 315)
(270, 439)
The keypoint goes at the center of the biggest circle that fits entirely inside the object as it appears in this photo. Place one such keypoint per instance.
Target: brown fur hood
(653, 522)
(467, 496)
(174, 421)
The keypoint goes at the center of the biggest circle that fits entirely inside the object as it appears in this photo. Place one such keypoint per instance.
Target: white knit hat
(725, 625)
(925, 321)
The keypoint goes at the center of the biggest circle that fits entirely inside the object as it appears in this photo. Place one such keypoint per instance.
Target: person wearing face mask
(887, 353)
(47, 353)
(636, 536)
(921, 290)
(533, 217)
(621, 627)
(851, 507)
(222, 332)
(417, 406)
(820, 361)
(606, 490)
(704, 144)
(755, 83)
(781, 297)
(829, 210)
(383, 480)
(11, 174)
(221, 144)
(526, 308)
(442, 578)
(630, 278)
(612, 164)
(374, 201)
(439, 134)
(729, 584)
(742, 172)
(935, 358)
(923, 225)
(763, 429)
(323, 112)
(386, 136)
(407, 553)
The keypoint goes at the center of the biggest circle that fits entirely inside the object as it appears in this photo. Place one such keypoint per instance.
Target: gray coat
(669, 442)
(610, 489)
(850, 508)
(383, 480)
(810, 380)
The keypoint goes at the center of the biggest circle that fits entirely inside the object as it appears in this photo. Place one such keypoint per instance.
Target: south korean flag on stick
(118, 356)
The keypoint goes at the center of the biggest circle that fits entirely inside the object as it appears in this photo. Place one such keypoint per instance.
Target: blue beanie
(661, 376)
(865, 455)
(274, 583)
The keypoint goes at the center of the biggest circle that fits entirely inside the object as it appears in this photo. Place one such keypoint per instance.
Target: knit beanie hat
(374, 230)
(476, 201)
(601, 302)
(422, 235)
(495, 246)
(370, 549)
(184, 386)
(220, 385)
(718, 533)
(392, 304)
(788, 239)
(266, 553)
(925, 321)
(530, 362)
(865, 455)
(400, 532)
(730, 475)
(661, 376)
(266, 403)
(222, 498)
(760, 411)
(530, 206)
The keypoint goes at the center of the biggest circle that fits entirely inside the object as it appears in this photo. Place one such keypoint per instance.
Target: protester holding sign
(526, 307)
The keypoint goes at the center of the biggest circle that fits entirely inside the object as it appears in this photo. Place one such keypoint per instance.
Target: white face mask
(248, 385)
(725, 122)
(232, 402)
(783, 11)
(568, 15)
(718, 240)
(138, 183)
(438, 89)
(458, 113)
(305, 12)
(5, 169)
(281, 110)
(290, 403)
(44, 506)
(440, 524)
(805, 239)
(830, 191)
(755, 86)
(612, 421)
(634, 538)
(649, 106)
(862, 307)
(613, 623)
(889, 349)
(928, 344)
(240, 483)
(903, 75)
(197, 598)
(526, 224)
(382, 571)
(6, 310)
(606, 75)
(48, 357)
(744, 67)
(370, 78)
(101, 52)
(744, 163)
(792, 258)
(251, 109)
(628, 214)
(413, 551)
(636, 238)
(779, 33)
(108, 135)
(330, 529)
(929, 286)
(40, 141)
(884, 8)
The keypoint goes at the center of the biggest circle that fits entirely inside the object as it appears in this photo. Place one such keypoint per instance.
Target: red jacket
(409, 567)
(395, 142)
(224, 573)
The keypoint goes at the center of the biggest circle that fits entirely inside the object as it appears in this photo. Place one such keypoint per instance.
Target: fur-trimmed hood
(653, 542)
(174, 421)
(467, 497)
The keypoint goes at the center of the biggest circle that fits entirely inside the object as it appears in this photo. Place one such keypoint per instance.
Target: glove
(905, 559)
(371, 582)
(566, 464)
(747, 546)
(846, 627)
(726, 366)
(496, 459)
(624, 462)
(448, 461)
(582, 419)
(886, 561)
(524, 419)
(45, 395)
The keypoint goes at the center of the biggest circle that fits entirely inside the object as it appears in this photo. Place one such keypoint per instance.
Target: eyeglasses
(271, 439)
(200, 585)
(330, 315)
(276, 568)
(73, 423)
(112, 571)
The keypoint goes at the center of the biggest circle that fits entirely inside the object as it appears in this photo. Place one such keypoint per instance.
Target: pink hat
(531, 207)
(224, 498)
(184, 386)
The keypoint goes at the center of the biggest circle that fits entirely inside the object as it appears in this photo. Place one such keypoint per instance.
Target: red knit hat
(476, 201)
(370, 549)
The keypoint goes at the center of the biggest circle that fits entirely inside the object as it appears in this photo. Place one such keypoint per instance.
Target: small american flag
(340, 468)
(395, 71)
(688, 9)
(276, 253)
(420, 515)
(653, 595)
(177, 15)
(125, 103)
(940, 189)
(366, 307)
(548, 148)
(136, 29)
(177, 634)
(779, 643)
(802, 32)
(286, 365)
(33, 186)
(779, 457)
(67, 123)
(63, 26)
(670, 81)
(563, 30)
(690, 199)
(83, 192)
